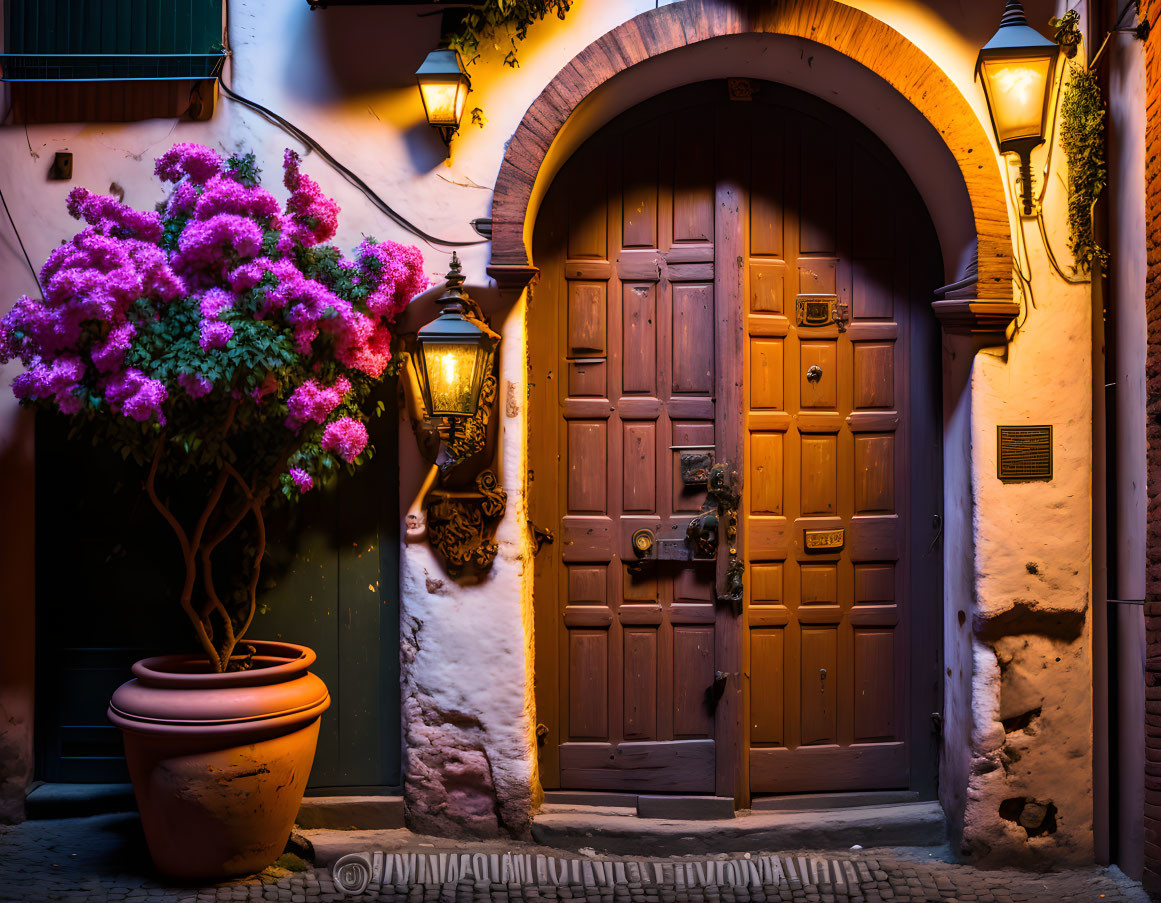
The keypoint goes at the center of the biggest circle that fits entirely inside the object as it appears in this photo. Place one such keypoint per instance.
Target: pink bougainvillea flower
(58, 381)
(215, 334)
(224, 194)
(195, 385)
(111, 217)
(302, 480)
(396, 273)
(208, 249)
(198, 162)
(311, 402)
(314, 217)
(345, 437)
(109, 354)
(107, 292)
(181, 202)
(136, 395)
(214, 301)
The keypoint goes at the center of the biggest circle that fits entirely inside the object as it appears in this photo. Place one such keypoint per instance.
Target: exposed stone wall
(465, 658)
(1149, 12)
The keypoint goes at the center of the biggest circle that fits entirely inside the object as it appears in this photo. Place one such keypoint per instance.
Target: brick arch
(851, 32)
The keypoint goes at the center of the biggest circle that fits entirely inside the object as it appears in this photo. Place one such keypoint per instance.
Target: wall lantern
(444, 87)
(1017, 66)
(454, 355)
(451, 386)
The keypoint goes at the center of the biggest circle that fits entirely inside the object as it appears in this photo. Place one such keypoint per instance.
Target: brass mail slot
(815, 310)
(823, 540)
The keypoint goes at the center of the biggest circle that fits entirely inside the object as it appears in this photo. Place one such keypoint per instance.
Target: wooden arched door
(690, 253)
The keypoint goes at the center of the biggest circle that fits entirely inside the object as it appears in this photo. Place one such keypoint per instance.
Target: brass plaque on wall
(823, 540)
(1024, 453)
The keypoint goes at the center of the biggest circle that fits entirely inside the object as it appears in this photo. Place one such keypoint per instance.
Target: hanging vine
(501, 20)
(1082, 137)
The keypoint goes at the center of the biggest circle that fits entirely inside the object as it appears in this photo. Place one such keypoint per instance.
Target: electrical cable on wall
(295, 132)
(15, 231)
(20, 241)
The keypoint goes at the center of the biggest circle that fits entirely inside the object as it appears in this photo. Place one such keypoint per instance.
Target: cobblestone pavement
(103, 858)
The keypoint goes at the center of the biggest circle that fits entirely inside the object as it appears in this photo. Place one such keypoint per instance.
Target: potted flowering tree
(230, 352)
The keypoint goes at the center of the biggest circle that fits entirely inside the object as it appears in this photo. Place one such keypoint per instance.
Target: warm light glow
(444, 87)
(444, 101)
(451, 373)
(1016, 90)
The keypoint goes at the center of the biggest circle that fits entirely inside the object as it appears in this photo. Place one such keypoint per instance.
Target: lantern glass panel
(1016, 93)
(443, 101)
(453, 371)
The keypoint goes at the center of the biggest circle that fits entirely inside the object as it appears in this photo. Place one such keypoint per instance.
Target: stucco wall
(344, 76)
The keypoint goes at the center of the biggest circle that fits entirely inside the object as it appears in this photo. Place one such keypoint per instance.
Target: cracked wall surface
(1028, 794)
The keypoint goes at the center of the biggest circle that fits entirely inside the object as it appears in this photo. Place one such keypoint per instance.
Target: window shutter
(115, 60)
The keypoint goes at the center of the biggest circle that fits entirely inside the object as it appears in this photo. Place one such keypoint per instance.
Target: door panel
(822, 643)
(673, 248)
(637, 647)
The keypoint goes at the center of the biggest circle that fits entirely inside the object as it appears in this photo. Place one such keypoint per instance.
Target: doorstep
(619, 830)
(351, 813)
(48, 800)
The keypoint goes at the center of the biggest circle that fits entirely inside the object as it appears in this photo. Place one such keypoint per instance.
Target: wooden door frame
(924, 638)
(982, 306)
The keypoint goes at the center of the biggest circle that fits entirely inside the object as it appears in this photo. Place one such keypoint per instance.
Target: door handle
(723, 490)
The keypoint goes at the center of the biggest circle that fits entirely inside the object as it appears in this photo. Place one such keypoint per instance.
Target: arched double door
(736, 273)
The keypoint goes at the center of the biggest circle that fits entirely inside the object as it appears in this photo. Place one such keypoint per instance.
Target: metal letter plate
(814, 310)
(695, 468)
(823, 540)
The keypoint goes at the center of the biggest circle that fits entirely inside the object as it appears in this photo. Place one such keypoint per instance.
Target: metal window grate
(1024, 453)
(111, 40)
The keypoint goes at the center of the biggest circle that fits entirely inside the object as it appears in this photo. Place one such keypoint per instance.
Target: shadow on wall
(17, 603)
(346, 51)
(349, 53)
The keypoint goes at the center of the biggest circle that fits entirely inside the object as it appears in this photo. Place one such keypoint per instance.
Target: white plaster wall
(344, 76)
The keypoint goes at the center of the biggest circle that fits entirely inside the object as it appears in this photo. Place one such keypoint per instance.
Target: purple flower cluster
(395, 273)
(225, 249)
(111, 217)
(301, 479)
(312, 402)
(345, 437)
(186, 159)
(314, 217)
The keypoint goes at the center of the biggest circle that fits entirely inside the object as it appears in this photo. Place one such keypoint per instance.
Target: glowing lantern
(1017, 66)
(454, 355)
(444, 87)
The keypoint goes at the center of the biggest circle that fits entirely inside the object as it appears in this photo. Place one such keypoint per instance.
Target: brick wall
(1149, 11)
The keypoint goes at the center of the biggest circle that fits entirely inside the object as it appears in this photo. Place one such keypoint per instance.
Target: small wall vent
(1024, 453)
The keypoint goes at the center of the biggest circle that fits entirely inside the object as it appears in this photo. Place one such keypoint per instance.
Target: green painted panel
(111, 39)
(108, 573)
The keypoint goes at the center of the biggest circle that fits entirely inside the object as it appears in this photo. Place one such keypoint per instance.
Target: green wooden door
(107, 572)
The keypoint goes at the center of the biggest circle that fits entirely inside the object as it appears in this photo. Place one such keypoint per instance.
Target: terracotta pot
(219, 761)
